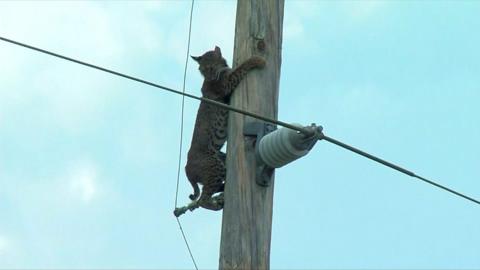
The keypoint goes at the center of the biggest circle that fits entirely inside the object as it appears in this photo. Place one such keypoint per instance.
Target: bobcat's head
(211, 64)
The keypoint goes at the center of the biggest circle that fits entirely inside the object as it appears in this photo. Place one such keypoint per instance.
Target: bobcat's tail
(196, 191)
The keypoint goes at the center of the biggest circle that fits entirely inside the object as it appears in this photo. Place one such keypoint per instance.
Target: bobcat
(205, 161)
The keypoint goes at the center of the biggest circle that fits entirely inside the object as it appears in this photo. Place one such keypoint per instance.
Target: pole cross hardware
(275, 148)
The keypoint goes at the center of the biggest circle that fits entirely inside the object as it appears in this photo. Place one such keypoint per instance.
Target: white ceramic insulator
(281, 147)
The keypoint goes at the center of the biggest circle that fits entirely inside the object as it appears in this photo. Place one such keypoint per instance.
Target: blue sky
(88, 161)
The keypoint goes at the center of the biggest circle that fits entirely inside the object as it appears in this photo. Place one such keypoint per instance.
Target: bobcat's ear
(218, 51)
(196, 58)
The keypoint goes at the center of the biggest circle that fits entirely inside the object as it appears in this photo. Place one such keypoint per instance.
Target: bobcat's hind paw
(179, 211)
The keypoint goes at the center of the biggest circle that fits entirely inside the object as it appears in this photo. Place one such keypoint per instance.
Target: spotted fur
(205, 162)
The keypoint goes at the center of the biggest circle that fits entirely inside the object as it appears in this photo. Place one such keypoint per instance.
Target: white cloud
(64, 94)
(56, 24)
(83, 182)
(31, 79)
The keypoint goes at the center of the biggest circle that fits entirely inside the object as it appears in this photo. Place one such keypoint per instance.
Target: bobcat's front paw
(257, 62)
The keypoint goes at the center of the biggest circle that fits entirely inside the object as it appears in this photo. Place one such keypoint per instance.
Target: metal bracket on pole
(259, 130)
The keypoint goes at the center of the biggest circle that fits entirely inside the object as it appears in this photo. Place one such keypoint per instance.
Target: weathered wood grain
(247, 214)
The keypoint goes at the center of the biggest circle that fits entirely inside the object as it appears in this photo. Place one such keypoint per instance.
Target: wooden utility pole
(247, 214)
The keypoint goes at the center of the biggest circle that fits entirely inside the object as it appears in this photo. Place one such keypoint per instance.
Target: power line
(181, 134)
(183, 103)
(397, 168)
(186, 243)
(206, 100)
(266, 119)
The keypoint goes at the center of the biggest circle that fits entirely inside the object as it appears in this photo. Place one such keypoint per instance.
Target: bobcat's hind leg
(210, 202)
(222, 156)
(181, 210)
(207, 200)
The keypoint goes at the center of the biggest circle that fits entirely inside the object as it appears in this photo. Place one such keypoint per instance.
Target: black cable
(181, 135)
(305, 131)
(395, 167)
(183, 105)
(206, 100)
(186, 243)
